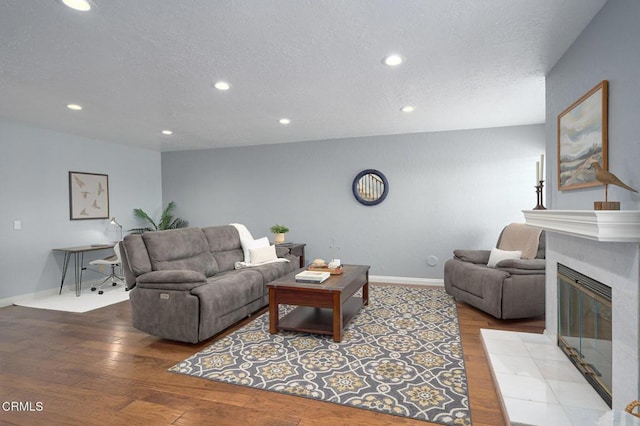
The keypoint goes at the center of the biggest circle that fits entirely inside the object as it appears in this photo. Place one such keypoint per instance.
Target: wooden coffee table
(321, 308)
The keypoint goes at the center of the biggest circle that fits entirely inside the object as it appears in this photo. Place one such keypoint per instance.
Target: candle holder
(539, 205)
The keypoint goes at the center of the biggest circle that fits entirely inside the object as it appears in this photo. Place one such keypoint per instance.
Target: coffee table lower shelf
(318, 320)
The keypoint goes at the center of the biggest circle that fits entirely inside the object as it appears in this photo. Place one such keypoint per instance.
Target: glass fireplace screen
(584, 327)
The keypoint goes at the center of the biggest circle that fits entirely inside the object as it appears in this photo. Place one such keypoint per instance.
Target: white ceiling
(138, 67)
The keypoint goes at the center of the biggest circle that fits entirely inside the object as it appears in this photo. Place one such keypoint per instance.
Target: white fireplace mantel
(599, 225)
(604, 245)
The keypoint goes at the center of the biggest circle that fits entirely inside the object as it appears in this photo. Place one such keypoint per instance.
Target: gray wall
(34, 189)
(447, 190)
(608, 49)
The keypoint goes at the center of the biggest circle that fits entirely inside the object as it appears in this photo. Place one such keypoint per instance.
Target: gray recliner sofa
(514, 288)
(184, 283)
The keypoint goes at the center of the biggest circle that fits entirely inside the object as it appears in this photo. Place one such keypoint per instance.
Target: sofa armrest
(473, 256)
(171, 280)
(522, 266)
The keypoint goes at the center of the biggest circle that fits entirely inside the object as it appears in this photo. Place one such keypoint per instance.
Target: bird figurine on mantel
(608, 178)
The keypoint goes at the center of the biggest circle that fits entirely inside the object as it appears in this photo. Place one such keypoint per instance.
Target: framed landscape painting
(582, 139)
(88, 196)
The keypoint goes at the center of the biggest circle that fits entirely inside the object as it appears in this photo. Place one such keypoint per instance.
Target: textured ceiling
(141, 66)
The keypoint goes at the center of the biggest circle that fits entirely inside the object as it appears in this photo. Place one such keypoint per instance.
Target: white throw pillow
(260, 242)
(263, 254)
(497, 255)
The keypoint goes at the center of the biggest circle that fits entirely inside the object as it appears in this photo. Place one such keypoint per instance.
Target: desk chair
(112, 261)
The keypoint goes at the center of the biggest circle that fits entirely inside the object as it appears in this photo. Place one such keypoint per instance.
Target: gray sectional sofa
(184, 283)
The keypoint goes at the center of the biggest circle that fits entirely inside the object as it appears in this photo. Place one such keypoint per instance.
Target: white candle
(541, 167)
(537, 173)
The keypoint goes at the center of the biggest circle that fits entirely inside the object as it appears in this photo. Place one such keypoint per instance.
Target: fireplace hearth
(585, 328)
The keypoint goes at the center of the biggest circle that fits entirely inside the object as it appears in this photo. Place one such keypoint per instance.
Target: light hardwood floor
(96, 369)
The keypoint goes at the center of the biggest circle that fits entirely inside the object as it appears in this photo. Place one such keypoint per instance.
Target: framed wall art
(582, 139)
(88, 196)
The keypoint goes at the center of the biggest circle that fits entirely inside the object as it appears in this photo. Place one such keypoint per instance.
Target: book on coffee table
(315, 277)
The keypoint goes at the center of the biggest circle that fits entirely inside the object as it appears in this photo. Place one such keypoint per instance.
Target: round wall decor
(370, 187)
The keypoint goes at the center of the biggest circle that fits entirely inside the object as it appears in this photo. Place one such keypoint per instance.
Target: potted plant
(279, 231)
(167, 221)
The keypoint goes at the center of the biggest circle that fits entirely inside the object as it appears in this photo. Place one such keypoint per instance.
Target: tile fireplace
(604, 246)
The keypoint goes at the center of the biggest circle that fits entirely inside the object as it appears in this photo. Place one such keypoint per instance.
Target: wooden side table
(295, 249)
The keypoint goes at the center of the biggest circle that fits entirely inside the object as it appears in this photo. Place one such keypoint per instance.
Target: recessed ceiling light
(393, 60)
(222, 85)
(167, 132)
(407, 108)
(81, 5)
(74, 107)
(284, 121)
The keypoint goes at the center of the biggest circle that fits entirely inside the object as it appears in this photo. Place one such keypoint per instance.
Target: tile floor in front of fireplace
(537, 382)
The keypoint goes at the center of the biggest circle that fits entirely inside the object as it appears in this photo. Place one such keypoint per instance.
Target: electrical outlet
(17, 225)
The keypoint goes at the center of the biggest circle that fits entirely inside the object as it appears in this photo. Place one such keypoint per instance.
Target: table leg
(273, 312)
(337, 317)
(65, 265)
(365, 294)
(78, 259)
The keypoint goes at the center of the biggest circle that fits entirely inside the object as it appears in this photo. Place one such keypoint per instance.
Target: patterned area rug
(400, 355)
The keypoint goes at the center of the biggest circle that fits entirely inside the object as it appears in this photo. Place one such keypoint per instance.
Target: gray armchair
(514, 288)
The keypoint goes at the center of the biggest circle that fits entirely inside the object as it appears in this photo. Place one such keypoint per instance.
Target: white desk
(78, 259)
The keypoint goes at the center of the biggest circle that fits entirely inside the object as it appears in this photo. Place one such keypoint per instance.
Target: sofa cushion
(228, 291)
(522, 266)
(479, 280)
(136, 254)
(222, 238)
(473, 256)
(271, 271)
(498, 255)
(483, 282)
(249, 246)
(224, 244)
(172, 276)
(174, 280)
(263, 254)
(184, 248)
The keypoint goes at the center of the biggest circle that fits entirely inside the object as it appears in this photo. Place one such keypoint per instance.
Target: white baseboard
(406, 280)
(372, 279)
